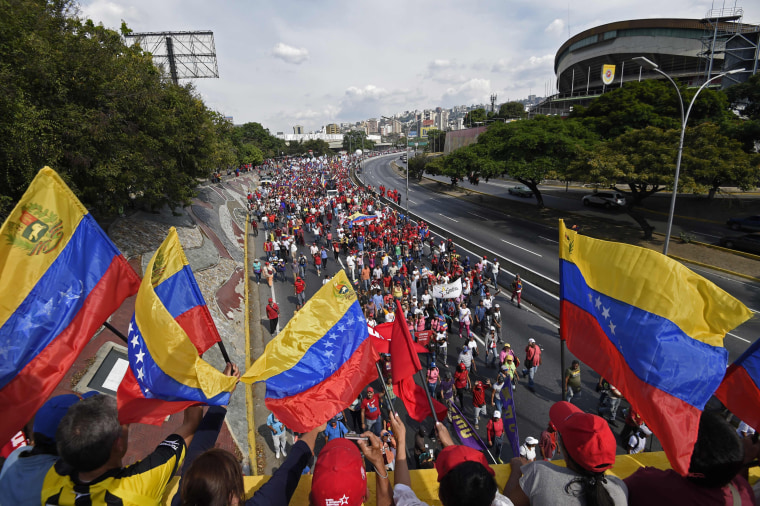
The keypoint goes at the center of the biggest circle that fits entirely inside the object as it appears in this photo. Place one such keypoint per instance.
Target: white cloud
(290, 54)
(555, 27)
(110, 13)
(473, 91)
(439, 64)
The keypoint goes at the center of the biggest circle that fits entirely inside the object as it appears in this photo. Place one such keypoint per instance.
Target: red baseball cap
(451, 456)
(339, 476)
(587, 438)
(370, 390)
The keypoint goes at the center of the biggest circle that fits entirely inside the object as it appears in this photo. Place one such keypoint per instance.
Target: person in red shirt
(548, 442)
(479, 399)
(461, 383)
(300, 287)
(495, 434)
(371, 412)
(273, 313)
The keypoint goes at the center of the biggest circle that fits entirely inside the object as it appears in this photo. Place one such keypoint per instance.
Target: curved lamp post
(650, 65)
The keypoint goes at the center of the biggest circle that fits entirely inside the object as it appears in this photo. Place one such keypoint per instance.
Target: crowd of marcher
(76, 457)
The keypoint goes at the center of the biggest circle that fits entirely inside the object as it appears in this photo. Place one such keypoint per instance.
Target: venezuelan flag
(650, 326)
(320, 361)
(740, 389)
(61, 277)
(169, 331)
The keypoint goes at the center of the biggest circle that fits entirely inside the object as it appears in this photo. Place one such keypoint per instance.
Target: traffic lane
(740, 338)
(500, 188)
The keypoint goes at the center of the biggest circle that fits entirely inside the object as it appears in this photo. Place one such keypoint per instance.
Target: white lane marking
(547, 239)
(412, 202)
(706, 235)
(547, 320)
(477, 215)
(737, 337)
(715, 273)
(520, 247)
(452, 219)
(524, 268)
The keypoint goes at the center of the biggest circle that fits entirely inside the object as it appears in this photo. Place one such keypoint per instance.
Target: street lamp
(650, 65)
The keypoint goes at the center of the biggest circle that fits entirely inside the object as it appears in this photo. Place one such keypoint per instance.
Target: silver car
(604, 199)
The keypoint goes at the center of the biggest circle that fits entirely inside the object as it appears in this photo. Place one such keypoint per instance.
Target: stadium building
(690, 50)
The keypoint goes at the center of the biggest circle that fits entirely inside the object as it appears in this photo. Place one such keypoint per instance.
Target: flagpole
(427, 393)
(385, 388)
(474, 432)
(124, 338)
(115, 331)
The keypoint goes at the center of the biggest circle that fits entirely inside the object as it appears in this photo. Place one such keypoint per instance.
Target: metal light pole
(650, 65)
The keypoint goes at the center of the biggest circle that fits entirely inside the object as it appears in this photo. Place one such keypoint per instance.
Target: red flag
(404, 364)
(381, 338)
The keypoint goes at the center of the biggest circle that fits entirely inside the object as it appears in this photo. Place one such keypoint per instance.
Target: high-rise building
(372, 126)
(298, 129)
(332, 128)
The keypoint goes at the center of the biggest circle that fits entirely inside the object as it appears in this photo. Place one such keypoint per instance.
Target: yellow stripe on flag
(33, 236)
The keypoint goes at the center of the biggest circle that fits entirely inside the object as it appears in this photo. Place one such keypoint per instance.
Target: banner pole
(474, 432)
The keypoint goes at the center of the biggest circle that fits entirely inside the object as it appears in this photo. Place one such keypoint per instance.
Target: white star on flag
(139, 356)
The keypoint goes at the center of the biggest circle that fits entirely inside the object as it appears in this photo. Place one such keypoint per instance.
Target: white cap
(497, 414)
(531, 341)
(530, 440)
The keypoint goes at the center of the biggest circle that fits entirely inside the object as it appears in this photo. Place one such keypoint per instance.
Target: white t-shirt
(528, 452)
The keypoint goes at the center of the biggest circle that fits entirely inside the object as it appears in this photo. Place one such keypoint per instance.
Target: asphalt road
(532, 246)
(519, 325)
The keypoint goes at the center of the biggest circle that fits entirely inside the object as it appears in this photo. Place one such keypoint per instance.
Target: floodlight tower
(188, 55)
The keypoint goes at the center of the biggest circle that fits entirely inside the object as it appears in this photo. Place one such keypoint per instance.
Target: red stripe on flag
(673, 421)
(313, 407)
(135, 408)
(740, 394)
(29, 390)
(199, 327)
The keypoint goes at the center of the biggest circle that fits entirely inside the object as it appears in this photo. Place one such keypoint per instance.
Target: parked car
(520, 191)
(749, 243)
(745, 223)
(604, 199)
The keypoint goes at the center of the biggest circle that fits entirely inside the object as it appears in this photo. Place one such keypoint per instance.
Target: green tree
(357, 139)
(746, 98)
(475, 116)
(436, 141)
(651, 102)
(318, 147)
(75, 97)
(512, 110)
(644, 161)
(533, 150)
(253, 133)
(417, 165)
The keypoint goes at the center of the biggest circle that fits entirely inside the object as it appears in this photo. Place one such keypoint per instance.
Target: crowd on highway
(306, 232)
(390, 258)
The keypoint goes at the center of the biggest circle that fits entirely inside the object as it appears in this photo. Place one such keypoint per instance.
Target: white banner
(448, 290)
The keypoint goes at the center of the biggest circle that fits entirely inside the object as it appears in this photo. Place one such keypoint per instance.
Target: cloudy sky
(313, 62)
